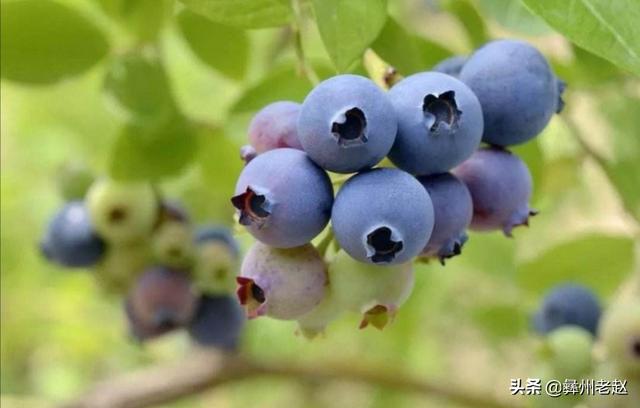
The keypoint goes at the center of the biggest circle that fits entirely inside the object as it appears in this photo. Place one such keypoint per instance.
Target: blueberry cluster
(419, 179)
(145, 247)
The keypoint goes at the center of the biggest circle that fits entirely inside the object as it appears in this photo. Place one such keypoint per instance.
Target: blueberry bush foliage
(163, 91)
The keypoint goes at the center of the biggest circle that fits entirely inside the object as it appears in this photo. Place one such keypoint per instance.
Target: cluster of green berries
(136, 243)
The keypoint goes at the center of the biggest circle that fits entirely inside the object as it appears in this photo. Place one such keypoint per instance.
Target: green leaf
(416, 54)
(138, 88)
(42, 42)
(144, 18)
(624, 171)
(470, 19)
(153, 152)
(512, 15)
(243, 13)
(223, 48)
(609, 29)
(348, 27)
(283, 83)
(599, 261)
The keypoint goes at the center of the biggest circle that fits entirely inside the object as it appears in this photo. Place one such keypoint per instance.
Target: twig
(600, 160)
(296, 27)
(203, 370)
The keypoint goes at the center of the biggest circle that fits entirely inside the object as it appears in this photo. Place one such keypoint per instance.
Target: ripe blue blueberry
(217, 263)
(283, 198)
(281, 283)
(568, 304)
(218, 322)
(162, 299)
(347, 124)
(274, 126)
(382, 216)
(517, 90)
(453, 211)
(439, 123)
(500, 186)
(71, 240)
(451, 66)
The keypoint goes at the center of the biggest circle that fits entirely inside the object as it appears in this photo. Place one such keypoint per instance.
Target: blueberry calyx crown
(251, 296)
(382, 247)
(378, 316)
(165, 319)
(441, 109)
(117, 215)
(253, 207)
(349, 128)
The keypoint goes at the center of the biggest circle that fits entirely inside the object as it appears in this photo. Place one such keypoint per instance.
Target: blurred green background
(465, 323)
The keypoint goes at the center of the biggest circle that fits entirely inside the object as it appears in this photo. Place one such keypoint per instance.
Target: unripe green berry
(121, 266)
(620, 333)
(372, 290)
(569, 350)
(172, 245)
(122, 212)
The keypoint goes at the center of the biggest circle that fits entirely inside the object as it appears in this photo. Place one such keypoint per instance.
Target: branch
(204, 369)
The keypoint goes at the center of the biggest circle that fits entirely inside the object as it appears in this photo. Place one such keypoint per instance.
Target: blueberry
(118, 270)
(382, 216)
(500, 186)
(162, 299)
(451, 66)
(376, 292)
(122, 212)
(218, 322)
(569, 350)
(71, 240)
(620, 332)
(315, 322)
(281, 283)
(172, 244)
(283, 198)
(568, 304)
(220, 234)
(439, 123)
(452, 209)
(347, 124)
(275, 127)
(217, 260)
(517, 90)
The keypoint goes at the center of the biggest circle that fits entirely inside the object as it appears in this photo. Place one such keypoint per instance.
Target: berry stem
(380, 72)
(203, 370)
(325, 243)
(600, 160)
(304, 68)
